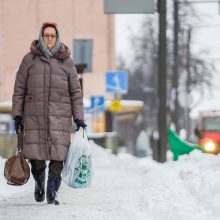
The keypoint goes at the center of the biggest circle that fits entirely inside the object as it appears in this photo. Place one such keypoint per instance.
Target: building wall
(20, 23)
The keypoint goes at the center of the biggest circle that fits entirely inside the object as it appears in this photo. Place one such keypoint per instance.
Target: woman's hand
(18, 123)
(80, 123)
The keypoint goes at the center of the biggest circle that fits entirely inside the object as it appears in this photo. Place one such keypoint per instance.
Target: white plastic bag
(77, 171)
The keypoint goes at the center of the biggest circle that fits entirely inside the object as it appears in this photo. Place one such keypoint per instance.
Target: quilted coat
(47, 95)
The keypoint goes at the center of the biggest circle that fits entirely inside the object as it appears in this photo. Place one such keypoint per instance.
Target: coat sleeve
(76, 96)
(20, 88)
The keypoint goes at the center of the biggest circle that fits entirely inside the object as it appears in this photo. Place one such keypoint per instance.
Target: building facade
(20, 22)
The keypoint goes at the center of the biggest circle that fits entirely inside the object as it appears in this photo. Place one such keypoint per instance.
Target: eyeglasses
(53, 36)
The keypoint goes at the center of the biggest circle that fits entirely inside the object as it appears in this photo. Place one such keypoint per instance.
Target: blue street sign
(116, 82)
(97, 103)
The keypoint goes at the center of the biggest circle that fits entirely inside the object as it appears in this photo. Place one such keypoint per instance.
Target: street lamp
(162, 78)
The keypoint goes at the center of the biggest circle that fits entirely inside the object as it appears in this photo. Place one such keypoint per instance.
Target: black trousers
(39, 166)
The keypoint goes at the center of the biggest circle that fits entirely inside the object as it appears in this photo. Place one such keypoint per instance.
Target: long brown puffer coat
(47, 95)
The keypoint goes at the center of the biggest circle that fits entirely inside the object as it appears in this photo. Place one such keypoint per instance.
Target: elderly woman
(47, 95)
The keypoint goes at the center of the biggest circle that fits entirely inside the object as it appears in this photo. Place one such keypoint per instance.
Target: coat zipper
(48, 123)
(45, 114)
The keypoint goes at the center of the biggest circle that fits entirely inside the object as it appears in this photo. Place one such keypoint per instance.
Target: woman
(47, 95)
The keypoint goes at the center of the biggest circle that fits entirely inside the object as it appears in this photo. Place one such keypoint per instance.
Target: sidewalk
(114, 195)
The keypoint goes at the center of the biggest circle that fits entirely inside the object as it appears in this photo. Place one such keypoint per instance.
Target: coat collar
(62, 54)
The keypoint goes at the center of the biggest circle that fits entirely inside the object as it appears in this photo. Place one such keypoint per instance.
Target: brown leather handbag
(17, 170)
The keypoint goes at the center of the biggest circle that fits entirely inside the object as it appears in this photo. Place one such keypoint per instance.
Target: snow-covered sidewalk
(114, 194)
(127, 188)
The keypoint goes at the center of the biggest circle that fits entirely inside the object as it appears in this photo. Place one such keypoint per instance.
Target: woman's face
(50, 37)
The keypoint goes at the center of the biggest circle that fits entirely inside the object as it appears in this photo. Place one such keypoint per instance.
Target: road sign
(129, 6)
(116, 82)
(97, 103)
(115, 106)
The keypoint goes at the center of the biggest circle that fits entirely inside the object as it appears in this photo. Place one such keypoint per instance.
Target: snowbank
(186, 189)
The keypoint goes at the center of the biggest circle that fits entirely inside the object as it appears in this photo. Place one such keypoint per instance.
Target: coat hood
(62, 54)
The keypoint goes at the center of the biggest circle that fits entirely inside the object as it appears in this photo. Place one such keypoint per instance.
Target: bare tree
(143, 83)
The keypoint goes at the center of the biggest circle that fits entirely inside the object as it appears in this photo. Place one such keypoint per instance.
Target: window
(212, 124)
(82, 52)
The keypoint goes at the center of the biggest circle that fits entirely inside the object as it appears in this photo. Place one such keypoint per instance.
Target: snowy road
(126, 188)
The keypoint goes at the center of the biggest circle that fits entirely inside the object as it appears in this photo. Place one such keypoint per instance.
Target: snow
(127, 188)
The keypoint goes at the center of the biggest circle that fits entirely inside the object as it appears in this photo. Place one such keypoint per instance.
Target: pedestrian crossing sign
(117, 82)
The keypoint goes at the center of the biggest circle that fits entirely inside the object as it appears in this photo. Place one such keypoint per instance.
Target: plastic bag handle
(83, 130)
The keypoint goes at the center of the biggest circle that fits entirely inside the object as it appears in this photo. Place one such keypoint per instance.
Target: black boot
(53, 185)
(39, 193)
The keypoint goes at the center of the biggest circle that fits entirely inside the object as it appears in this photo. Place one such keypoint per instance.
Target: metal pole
(176, 65)
(81, 81)
(115, 128)
(162, 76)
(188, 127)
(219, 7)
(80, 69)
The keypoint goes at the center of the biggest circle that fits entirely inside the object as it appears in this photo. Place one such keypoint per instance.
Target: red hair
(49, 24)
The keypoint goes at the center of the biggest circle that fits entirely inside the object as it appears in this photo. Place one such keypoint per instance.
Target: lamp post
(175, 83)
(162, 78)
(188, 83)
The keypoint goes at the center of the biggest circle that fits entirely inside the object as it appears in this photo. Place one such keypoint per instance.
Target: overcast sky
(207, 38)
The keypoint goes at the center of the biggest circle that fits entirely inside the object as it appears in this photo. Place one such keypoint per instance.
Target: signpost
(97, 108)
(147, 6)
(116, 83)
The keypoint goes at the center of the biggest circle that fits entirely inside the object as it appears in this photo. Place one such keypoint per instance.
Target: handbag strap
(20, 140)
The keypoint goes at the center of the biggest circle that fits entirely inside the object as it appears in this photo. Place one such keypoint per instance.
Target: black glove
(80, 123)
(18, 123)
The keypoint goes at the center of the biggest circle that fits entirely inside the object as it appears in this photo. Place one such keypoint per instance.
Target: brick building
(20, 23)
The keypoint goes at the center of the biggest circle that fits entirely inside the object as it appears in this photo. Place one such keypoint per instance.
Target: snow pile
(125, 187)
(186, 189)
